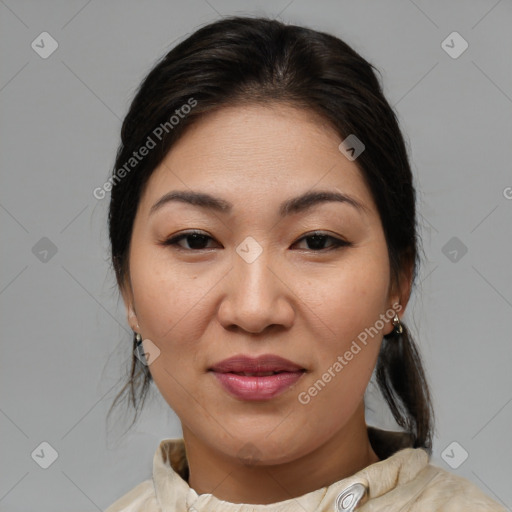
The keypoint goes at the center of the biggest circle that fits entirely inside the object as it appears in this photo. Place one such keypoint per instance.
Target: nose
(257, 296)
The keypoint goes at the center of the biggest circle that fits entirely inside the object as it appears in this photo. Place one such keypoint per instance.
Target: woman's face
(257, 282)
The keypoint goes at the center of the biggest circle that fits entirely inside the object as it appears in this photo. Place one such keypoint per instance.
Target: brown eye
(195, 240)
(317, 242)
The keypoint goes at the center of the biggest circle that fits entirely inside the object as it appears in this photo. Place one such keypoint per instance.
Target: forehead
(265, 152)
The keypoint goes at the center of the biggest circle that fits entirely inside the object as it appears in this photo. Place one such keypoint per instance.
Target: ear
(127, 294)
(399, 294)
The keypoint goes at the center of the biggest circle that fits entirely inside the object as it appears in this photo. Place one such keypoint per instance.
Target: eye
(317, 241)
(196, 240)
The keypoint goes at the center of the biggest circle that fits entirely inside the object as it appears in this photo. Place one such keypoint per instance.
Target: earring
(138, 338)
(398, 326)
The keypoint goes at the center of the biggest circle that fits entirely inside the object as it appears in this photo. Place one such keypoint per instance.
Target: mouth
(261, 378)
(257, 374)
(264, 365)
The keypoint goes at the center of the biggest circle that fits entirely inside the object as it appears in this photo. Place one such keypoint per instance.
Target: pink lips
(258, 378)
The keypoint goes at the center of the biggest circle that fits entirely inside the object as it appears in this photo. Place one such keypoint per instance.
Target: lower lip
(257, 388)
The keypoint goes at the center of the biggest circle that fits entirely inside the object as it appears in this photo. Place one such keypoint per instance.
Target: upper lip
(264, 363)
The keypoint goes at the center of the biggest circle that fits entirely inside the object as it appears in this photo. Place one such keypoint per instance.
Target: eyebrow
(288, 207)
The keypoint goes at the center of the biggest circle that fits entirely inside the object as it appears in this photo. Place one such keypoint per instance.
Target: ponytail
(137, 386)
(403, 384)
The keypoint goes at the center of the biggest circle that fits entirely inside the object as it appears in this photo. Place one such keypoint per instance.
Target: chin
(258, 451)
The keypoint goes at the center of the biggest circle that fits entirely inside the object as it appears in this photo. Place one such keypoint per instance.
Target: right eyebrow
(195, 198)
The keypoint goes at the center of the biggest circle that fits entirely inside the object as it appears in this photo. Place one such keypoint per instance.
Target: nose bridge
(254, 282)
(255, 297)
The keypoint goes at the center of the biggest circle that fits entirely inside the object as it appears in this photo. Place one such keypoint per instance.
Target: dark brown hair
(240, 60)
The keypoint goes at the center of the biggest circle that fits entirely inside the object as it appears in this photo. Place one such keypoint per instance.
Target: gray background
(65, 339)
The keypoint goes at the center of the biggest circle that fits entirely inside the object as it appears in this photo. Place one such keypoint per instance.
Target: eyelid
(319, 232)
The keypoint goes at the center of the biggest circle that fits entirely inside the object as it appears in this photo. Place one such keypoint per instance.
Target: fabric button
(350, 498)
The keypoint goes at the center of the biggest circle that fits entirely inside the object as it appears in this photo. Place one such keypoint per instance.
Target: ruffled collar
(399, 464)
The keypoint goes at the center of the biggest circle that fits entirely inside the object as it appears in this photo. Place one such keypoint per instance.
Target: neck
(228, 479)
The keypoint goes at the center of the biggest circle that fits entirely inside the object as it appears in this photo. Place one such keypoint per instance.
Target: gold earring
(398, 329)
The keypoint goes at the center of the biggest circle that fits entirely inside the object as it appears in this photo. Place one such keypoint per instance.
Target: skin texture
(200, 306)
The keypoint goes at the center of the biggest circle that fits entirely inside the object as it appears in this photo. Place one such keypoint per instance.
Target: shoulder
(447, 492)
(141, 498)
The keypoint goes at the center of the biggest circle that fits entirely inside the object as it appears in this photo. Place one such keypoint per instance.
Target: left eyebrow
(290, 206)
(310, 199)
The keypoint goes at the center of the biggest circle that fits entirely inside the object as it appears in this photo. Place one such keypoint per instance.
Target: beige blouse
(403, 480)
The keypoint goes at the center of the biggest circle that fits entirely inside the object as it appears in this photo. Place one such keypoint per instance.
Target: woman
(263, 231)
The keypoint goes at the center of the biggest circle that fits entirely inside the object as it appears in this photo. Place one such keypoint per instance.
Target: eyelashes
(197, 241)
(319, 238)
(197, 238)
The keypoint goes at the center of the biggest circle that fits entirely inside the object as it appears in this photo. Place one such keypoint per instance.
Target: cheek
(350, 297)
(171, 311)
(349, 304)
(168, 295)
